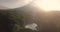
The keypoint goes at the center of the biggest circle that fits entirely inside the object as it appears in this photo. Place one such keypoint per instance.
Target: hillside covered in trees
(12, 20)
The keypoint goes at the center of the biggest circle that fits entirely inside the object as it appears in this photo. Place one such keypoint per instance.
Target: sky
(8, 1)
(48, 5)
(10, 4)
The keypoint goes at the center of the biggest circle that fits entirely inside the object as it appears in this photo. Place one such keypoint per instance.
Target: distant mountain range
(2, 7)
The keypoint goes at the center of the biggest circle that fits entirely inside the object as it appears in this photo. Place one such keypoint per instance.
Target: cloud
(14, 3)
(1, 1)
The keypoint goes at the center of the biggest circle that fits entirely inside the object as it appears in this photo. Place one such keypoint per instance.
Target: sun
(48, 5)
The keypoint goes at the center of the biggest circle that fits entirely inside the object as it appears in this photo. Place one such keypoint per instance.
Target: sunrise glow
(48, 5)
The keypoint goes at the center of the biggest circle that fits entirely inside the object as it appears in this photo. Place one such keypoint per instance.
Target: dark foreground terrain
(14, 20)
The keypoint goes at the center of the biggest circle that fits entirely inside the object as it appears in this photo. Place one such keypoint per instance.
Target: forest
(14, 20)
